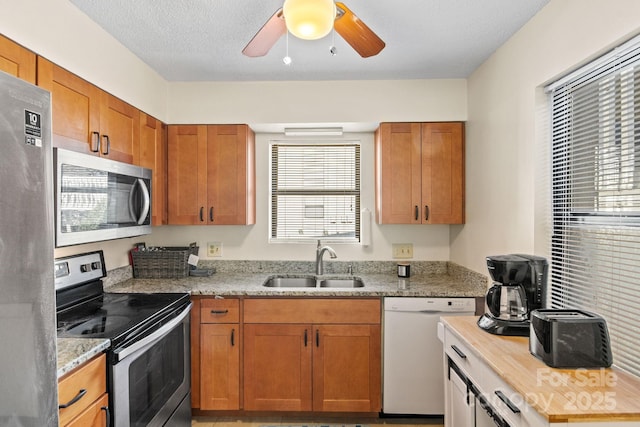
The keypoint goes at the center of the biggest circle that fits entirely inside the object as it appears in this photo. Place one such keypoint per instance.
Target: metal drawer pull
(95, 142)
(107, 415)
(77, 397)
(507, 402)
(459, 352)
(219, 311)
(233, 337)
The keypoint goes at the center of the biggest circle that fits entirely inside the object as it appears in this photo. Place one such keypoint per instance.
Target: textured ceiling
(202, 40)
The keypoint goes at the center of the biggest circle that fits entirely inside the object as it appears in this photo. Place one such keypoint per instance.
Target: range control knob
(85, 268)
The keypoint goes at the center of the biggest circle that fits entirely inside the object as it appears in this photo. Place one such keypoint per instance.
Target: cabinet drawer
(461, 354)
(312, 310)
(219, 310)
(90, 377)
(94, 415)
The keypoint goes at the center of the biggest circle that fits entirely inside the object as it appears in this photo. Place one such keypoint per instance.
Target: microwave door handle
(145, 201)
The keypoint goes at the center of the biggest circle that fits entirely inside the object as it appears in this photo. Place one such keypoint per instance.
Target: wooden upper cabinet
(211, 173)
(443, 173)
(152, 154)
(87, 119)
(419, 173)
(17, 60)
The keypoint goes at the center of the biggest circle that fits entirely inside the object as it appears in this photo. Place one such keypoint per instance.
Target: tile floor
(312, 422)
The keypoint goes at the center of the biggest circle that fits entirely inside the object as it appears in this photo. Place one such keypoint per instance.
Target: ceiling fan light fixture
(309, 19)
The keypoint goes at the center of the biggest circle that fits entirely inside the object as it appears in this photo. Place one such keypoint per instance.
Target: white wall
(507, 133)
(61, 33)
(251, 242)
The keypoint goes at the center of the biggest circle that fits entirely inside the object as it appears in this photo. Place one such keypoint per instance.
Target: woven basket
(162, 262)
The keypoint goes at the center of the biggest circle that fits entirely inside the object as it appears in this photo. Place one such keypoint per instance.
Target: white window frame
(315, 211)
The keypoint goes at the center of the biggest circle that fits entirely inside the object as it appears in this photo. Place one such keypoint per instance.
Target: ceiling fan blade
(356, 33)
(267, 36)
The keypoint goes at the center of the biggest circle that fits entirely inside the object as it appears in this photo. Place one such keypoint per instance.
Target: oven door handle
(123, 352)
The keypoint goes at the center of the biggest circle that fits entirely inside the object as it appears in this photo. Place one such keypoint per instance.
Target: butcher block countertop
(560, 395)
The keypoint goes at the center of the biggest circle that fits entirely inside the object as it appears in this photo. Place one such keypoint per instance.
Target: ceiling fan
(338, 17)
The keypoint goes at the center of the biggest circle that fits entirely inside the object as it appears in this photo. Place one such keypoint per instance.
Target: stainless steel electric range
(149, 358)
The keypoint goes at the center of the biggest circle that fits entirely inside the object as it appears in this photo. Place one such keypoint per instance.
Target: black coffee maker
(519, 286)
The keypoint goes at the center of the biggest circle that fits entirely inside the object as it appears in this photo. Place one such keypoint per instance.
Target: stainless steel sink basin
(341, 283)
(291, 282)
(312, 282)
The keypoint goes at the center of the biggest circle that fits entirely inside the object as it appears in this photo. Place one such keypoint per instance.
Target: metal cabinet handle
(233, 337)
(507, 402)
(219, 311)
(77, 397)
(459, 352)
(211, 214)
(426, 212)
(107, 415)
(201, 213)
(305, 337)
(417, 215)
(317, 338)
(108, 144)
(95, 142)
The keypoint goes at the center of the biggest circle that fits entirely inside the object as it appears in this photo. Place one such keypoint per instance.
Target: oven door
(150, 379)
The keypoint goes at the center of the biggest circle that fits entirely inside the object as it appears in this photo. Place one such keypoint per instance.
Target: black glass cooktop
(116, 316)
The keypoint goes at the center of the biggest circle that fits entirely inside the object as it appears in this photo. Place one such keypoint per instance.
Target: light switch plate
(402, 250)
(214, 249)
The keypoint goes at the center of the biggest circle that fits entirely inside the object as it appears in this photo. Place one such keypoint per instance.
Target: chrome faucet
(320, 250)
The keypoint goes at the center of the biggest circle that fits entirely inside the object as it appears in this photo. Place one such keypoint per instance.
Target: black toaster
(569, 339)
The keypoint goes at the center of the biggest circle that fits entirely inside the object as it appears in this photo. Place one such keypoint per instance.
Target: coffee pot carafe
(519, 286)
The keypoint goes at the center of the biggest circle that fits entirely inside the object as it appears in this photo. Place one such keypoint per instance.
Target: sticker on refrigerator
(32, 128)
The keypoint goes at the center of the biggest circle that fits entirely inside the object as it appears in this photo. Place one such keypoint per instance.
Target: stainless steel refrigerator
(28, 378)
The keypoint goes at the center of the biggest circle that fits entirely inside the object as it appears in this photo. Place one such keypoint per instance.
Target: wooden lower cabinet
(277, 367)
(84, 390)
(329, 366)
(219, 351)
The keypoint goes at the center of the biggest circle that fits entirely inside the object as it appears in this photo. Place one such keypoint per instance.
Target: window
(315, 191)
(595, 254)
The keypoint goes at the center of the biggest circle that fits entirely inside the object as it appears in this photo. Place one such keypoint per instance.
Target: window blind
(315, 191)
(595, 253)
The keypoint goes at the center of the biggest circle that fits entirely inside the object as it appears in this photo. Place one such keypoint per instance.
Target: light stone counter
(73, 352)
(246, 278)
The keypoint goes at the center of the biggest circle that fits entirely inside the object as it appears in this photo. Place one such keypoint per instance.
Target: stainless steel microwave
(99, 199)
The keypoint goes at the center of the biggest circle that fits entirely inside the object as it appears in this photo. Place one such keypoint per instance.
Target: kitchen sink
(312, 282)
(291, 282)
(341, 283)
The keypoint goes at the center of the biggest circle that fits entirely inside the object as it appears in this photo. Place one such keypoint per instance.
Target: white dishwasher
(413, 381)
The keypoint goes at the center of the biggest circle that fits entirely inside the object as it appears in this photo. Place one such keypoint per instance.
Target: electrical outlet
(214, 249)
(402, 250)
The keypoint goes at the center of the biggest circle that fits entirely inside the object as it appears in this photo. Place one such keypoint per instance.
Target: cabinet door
(76, 108)
(459, 402)
(119, 129)
(152, 154)
(187, 174)
(230, 175)
(94, 416)
(346, 368)
(17, 60)
(219, 366)
(277, 367)
(442, 173)
(398, 173)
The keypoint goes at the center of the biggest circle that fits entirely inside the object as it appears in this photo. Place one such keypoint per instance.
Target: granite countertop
(431, 279)
(73, 352)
